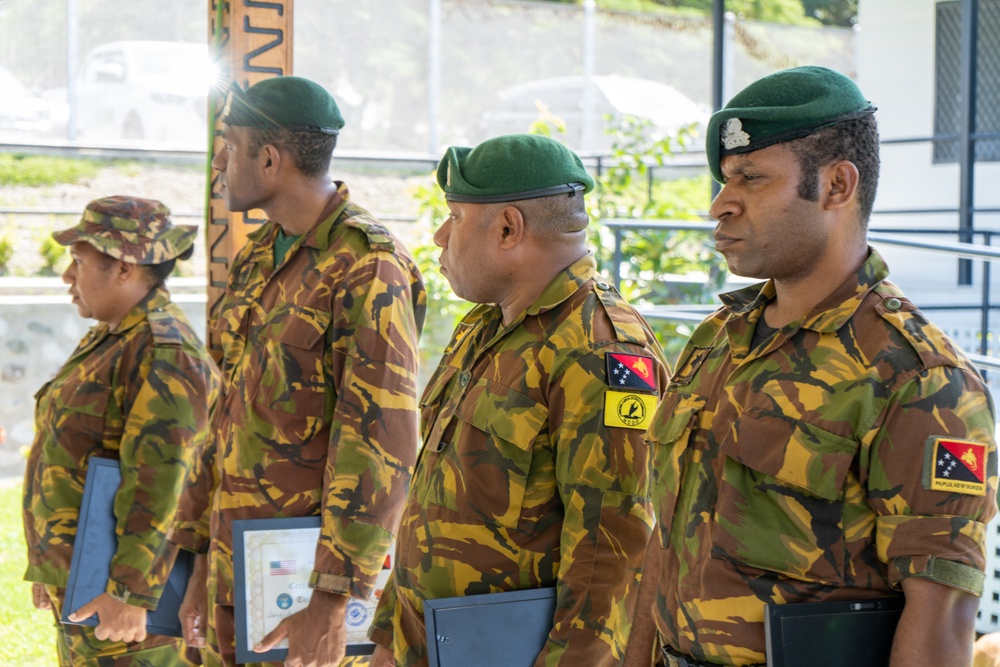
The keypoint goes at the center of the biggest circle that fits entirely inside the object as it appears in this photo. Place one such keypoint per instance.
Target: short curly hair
(311, 151)
(853, 140)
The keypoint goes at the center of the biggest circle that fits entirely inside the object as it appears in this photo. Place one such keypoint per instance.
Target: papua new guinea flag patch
(955, 466)
(631, 371)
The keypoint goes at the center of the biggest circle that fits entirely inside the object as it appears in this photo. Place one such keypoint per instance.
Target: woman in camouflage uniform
(138, 388)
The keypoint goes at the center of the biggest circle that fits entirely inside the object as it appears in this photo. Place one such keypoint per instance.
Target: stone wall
(38, 332)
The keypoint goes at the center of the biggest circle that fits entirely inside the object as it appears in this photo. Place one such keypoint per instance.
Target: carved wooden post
(251, 41)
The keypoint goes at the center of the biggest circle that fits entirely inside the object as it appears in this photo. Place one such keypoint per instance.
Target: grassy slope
(29, 634)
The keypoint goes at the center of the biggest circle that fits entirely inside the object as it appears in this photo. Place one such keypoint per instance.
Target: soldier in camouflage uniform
(820, 439)
(138, 388)
(533, 471)
(319, 328)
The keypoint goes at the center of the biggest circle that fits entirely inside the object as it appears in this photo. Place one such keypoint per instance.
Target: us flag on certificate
(283, 567)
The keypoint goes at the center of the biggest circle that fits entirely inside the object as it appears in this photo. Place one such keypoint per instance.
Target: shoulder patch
(955, 466)
(378, 235)
(627, 410)
(164, 328)
(631, 371)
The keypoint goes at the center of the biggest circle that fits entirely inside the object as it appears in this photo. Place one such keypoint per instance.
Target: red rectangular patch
(631, 371)
(956, 466)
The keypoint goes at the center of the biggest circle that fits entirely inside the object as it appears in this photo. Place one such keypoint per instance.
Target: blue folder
(95, 545)
(496, 629)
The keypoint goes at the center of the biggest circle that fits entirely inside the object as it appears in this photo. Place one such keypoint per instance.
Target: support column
(251, 40)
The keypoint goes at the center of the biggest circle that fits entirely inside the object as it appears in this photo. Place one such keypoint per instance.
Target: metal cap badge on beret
(510, 168)
(134, 230)
(780, 107)
(286, 103)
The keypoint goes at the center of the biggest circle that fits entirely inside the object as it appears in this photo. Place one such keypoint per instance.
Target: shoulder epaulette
(931, 345)
(377, 233)
(628, 327)
(163, 326)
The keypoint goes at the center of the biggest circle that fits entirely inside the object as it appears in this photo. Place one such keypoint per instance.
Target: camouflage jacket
(521, 482)
(140, 394)
(319, 407)
(815, 467)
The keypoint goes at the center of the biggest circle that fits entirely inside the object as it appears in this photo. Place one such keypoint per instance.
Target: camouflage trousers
(77, 646)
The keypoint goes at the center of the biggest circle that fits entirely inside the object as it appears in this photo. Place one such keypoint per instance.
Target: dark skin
(756, 209)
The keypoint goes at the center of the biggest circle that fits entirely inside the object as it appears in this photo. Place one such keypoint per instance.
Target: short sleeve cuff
(946, 572)
(332, 583)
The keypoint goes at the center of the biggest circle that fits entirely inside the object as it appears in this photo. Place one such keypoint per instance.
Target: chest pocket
(669, 440)
(75, 415)
(292, 376)
(782, 497)
(485, 467)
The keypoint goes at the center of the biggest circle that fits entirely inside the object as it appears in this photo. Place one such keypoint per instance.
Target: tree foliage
(828, 12)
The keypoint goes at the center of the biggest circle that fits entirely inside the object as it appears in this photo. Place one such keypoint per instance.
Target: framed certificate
(272, 562)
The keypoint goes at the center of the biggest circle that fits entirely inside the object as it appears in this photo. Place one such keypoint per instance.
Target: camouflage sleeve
(381, 629)
(937, 431)
(194, 508)
(603, 473)
(165, 423)
(374, 434)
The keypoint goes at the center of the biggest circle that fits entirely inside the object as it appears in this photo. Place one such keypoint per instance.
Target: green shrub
(6, 252)
(38, 170)
(53, 256)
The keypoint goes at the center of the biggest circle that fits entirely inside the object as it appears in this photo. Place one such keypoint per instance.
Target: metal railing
(693, 313)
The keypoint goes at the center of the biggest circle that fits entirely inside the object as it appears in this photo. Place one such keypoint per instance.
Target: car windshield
(10, 85)
(171, 60)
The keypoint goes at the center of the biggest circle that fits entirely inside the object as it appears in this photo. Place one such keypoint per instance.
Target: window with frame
(948, 80)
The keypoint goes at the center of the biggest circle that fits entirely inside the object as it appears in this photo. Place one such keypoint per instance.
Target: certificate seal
(357, 614)
(284, 601)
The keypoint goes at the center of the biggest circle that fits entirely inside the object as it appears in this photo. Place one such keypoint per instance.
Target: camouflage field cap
(783, 106)
(134, 230)
(283, 102)
(511, 167)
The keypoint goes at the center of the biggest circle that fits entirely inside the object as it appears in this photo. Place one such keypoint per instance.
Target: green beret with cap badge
(510, 168)
(283, 103)
(134, 230)
(780, 107)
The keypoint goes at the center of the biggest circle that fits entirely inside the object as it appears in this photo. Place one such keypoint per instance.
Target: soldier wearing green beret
(820, 439)
(138, 388)
(533, 472)
(319, 327)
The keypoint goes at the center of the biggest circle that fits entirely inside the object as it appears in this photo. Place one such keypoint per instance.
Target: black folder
(496, 629)
(847, 633)
(95, 545)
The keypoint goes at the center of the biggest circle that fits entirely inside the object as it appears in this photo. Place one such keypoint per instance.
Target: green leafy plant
(38, 170)
(6, 252)
(53, 256)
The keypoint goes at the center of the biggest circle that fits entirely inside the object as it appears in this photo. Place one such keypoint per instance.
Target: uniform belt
(674, 659)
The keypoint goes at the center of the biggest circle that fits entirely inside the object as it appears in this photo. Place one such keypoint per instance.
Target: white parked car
(145, 91)
(26, 114)
(663, 105)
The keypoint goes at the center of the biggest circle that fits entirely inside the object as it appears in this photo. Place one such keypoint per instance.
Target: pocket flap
(297, 326)
(682, 409)
(796, 452)
(504, 413)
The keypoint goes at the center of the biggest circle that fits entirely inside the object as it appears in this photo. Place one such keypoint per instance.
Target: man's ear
(840, 184)
(511, 223)
(270, 159)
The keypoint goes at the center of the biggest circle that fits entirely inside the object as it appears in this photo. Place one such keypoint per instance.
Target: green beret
(510, 168)
(783, 106)
(134, 230)
(286, 103)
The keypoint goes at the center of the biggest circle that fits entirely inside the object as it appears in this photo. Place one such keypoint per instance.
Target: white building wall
(896, 55)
